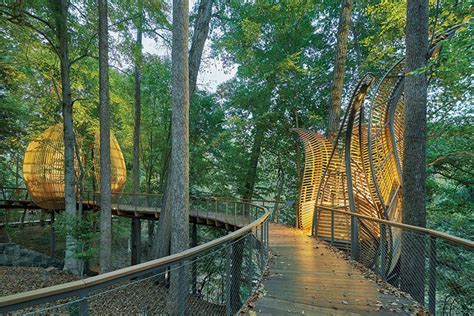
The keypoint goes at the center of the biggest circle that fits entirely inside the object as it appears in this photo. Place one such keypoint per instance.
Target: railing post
(354, 238)
(267, 230)
(235, 213)
(183, 291)
(262, 249)
(383, 252)
(332, 227)
(194, 263)
(315, 224)
(251, 246)
(228, 276)
(83, 305)
(432, 277)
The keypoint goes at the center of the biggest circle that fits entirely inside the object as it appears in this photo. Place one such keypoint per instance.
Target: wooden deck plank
(307, 277)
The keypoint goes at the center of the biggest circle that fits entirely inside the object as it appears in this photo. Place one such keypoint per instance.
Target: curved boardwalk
(307, 277)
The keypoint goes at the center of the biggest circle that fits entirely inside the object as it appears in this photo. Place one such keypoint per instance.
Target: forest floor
(38, 238)
(19, 279)
(135, 297)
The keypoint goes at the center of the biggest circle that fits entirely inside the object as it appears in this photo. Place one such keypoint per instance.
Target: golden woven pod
(43, 167)
(118, 170)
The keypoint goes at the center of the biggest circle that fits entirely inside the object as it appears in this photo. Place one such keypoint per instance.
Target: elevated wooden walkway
(306, 277)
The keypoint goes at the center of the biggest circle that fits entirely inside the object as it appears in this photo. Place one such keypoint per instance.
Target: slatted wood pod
(43, 167)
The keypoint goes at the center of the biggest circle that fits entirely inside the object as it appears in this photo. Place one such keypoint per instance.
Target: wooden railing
(256, 232)
(435, 268)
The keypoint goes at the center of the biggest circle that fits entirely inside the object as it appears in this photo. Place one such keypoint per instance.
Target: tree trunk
(201, 31)
(251, 177)
(161, 244)
(53, 236)
(136, 225)
(298, 164)
(414, 158)
(60, 9)
(179, 176)
(105, 259)
(339, 69)
(151, 223)
(280, 185)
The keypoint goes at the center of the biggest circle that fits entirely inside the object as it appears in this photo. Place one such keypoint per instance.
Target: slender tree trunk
(251, 177)
(161, 245)
(414, 158)
(151, 223)
(298, 163)
(105, 259)
(60, 8)
(280, 184)
(339, 69)
(179, 176)
(201, 31)
(81, 178)
(53, 236)
(136, 225)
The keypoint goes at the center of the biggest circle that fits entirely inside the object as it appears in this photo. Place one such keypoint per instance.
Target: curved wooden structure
(362, 174)
(43, 167)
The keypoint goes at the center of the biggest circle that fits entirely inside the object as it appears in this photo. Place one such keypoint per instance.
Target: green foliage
(82, 230)
(283, 51)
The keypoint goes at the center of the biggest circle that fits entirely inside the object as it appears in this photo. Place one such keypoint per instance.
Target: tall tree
(136, 225)
(60, 9)
(179, 176)
(105, 259)
(161, 245)
(339, 69)
(201, 31)
(179, 173)
(414, 147)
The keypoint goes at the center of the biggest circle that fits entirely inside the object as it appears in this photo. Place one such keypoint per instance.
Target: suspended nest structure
(43, 167)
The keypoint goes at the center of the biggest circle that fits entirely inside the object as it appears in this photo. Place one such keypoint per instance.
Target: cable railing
(434, 268)
(214, 278)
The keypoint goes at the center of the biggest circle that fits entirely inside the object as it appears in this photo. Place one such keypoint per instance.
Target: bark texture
(161, 244)
(201, 31)
(105, 258)
(136, 225)
(339, 69)
(60, 9)
(179, 175)
(414, 158)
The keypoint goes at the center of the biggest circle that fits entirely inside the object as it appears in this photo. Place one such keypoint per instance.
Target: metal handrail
(77, 288)
(469, 244)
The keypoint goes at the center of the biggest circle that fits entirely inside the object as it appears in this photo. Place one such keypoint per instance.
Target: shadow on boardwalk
(306, 277)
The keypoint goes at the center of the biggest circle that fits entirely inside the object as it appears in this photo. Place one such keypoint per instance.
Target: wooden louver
(361, 173)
